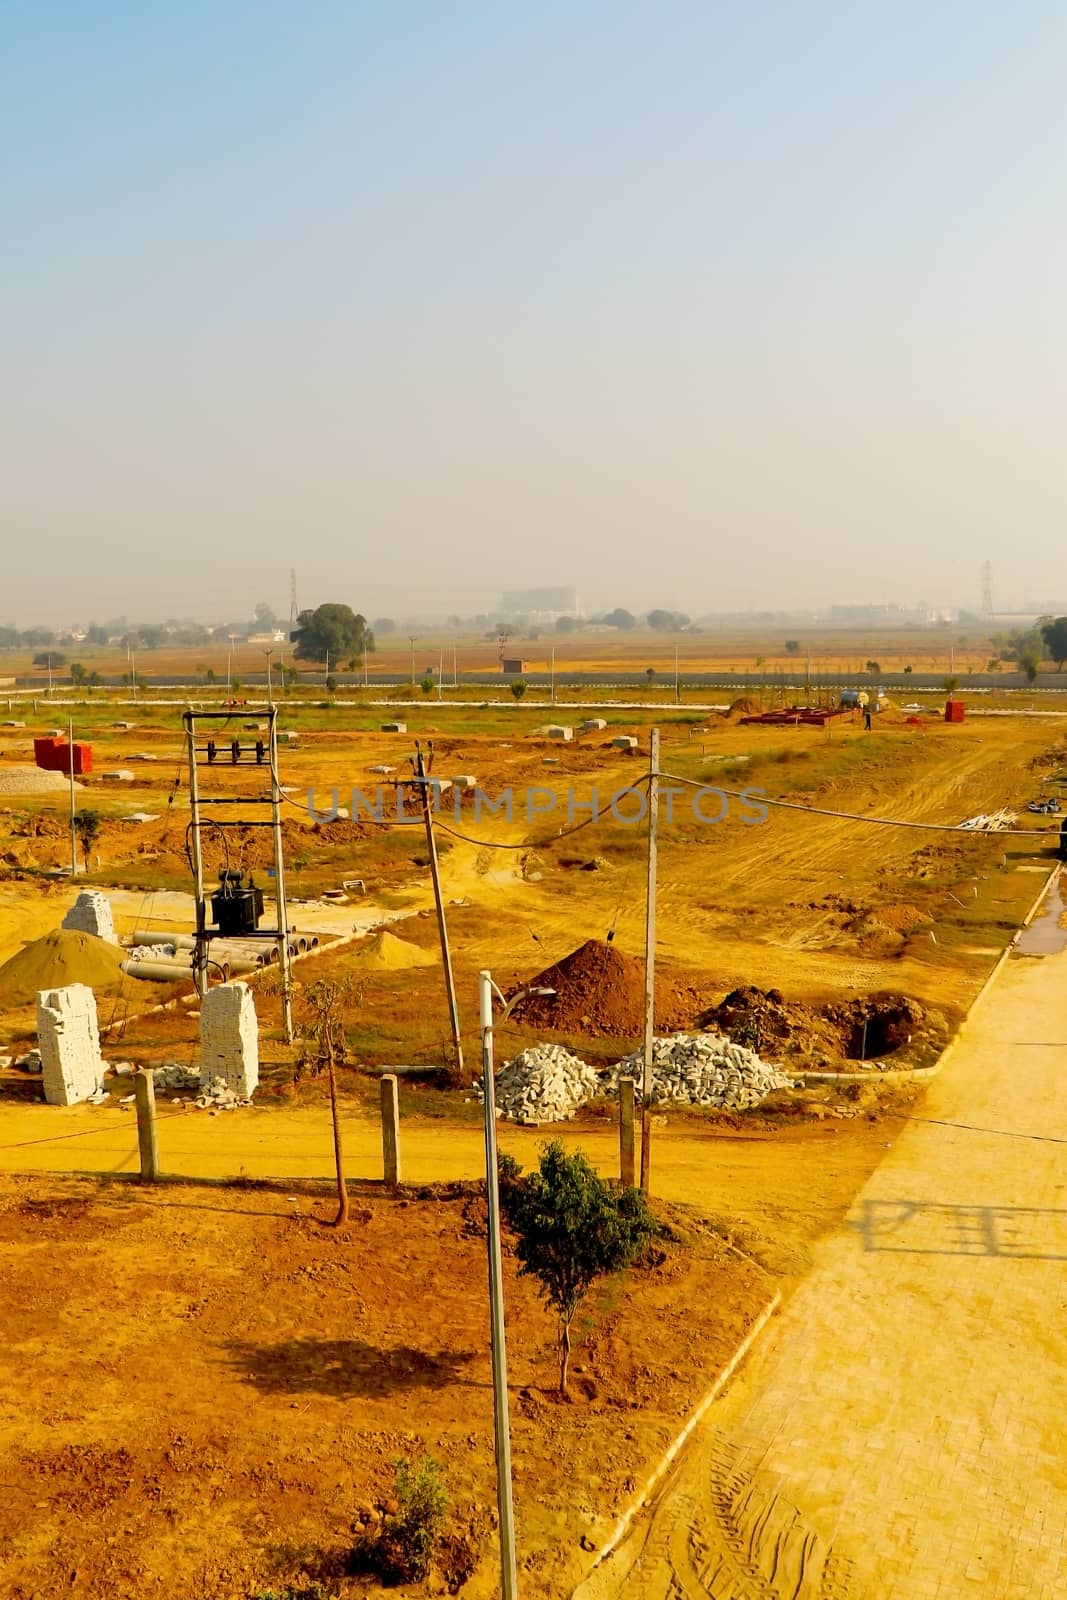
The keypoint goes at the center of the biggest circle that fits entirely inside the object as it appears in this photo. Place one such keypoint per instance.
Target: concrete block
(556, 731)
(69, 1042)
(625, 741)
(593, 725)
(91, 913)
(229, 1038)
(465, 780)
(394, 727)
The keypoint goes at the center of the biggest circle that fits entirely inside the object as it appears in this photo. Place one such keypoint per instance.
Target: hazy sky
(701, 304)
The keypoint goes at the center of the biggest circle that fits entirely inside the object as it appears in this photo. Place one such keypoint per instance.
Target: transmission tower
(987, 591)
(294, 609)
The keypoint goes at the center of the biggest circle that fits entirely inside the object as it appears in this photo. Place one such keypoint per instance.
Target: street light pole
(270, 691)
(501, 1428)
(411, 641)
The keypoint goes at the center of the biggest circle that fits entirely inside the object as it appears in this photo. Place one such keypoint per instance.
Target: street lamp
(501, 1428)
(270, 691)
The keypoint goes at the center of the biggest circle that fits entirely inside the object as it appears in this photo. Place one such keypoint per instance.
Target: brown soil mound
(388, 953)
(601, 990)
(860, 1029)
(61, 957)
(743, 706)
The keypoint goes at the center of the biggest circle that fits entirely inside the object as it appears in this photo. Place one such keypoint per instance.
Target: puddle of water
(1045, 936)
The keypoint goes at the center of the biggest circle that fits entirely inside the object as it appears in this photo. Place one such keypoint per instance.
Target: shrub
(401, 1549)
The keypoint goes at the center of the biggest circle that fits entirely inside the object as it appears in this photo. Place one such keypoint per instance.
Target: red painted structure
(953, 710)
(54, 755)
(798, 716)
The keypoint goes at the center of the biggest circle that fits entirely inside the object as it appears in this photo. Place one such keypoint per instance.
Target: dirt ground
(206, 1383)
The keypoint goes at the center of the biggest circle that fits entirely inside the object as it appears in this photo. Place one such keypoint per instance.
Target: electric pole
(422, 777)
(650, 956)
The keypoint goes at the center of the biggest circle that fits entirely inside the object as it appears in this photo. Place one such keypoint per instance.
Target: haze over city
(707, 306)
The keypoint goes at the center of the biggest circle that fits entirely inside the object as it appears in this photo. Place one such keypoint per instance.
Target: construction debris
(992, 821)
(543, 1084)
(91, 913)
(701, 1069)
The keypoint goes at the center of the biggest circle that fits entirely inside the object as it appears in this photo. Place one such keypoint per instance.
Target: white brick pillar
(69, 1042)
(229, 1038)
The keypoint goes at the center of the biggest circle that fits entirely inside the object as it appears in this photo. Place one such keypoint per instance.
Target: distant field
(926, 650)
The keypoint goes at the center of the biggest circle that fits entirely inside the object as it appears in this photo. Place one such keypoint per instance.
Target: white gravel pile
(218, 1096)
(175, 1075)
(701, 1069)
(543, 1084)
(33, 780)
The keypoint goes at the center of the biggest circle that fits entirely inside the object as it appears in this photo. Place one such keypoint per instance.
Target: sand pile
(32, 780)
(61, 957)
(386, 953)
(601, 990)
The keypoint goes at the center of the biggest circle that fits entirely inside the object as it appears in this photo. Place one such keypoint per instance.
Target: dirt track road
(899, 1435)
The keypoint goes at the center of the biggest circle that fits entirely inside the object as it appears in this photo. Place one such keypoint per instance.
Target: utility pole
(501, 1429)
(455, 673)
(552, 677)
(440, 673)
(422, 777)
(284, 958)
(73, 831)
(677, 686)
(650, 956)
(411, 642)
(270, 691)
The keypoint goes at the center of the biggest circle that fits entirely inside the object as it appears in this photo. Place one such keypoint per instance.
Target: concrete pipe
(181, 941)
(159, 971)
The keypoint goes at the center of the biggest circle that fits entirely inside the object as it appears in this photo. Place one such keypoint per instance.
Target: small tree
(873, 668)
(331, 684)
(87, 828)
(77, 673)
(650, 673)
(573, 1228)
(518, 687)
(1054, 634)
(950, 685)
(322, 1044)
(427, 685)
(792, 646)
(1030, 662)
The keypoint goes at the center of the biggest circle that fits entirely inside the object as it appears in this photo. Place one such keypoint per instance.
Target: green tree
(621, 618)
(331, 630)
(792, 646)
(87, 828)
(77, 673)
(1054, 633)
(1030, 662)
(518, 687)
(873, 668)
(427, 685)
(650, 673)
(950, 685)
(573, 1228)
(50, 658)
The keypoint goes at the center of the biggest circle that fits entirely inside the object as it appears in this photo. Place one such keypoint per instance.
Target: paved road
(900, 1435)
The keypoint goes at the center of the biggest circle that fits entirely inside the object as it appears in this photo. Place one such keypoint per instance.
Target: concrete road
(899, 1434)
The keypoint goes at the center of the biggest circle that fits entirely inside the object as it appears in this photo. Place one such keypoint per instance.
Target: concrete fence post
(144, 1088)
(626, 1131)
(390, 1129)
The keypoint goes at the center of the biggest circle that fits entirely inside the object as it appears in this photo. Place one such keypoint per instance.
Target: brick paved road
(901, 1432)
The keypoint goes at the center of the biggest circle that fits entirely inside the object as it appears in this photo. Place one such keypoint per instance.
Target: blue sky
(707, 305)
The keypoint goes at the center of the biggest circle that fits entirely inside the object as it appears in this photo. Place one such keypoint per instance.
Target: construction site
(782, 962)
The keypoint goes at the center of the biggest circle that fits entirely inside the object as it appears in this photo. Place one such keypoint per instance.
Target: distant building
(272, 636)
(512, 664)
(550, 602)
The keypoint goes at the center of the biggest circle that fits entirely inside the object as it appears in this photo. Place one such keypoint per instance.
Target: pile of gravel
(33, 780)
(175, 1075)
(543, 1084)
(701, 1069)
(218, 1096)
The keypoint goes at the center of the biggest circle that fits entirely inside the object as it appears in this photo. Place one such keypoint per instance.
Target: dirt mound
(61, 957)
(743, 706)
(387, 953)
(601, 990)
(900, 918)
(33, 780)
(860, 1029)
